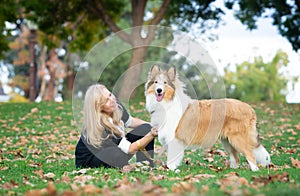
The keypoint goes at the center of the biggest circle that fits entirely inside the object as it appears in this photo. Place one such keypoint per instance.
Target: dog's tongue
(159, 97)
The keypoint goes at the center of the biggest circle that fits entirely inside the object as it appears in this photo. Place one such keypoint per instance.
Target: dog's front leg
(175, 154)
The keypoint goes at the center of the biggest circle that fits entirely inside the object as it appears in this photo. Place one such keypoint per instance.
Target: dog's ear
(172, 73)
(153, 72)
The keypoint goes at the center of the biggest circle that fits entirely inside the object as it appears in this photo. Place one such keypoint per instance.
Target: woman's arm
(143, 142)
(135, 122)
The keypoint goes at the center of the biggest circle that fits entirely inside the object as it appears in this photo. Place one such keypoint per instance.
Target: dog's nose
(159, 90)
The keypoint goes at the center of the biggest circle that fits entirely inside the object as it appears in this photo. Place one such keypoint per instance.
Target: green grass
(38, 140)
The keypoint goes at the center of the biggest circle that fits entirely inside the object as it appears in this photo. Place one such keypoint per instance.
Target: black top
(85, 152)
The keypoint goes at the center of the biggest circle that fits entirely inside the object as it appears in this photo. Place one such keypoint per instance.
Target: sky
(236, 44)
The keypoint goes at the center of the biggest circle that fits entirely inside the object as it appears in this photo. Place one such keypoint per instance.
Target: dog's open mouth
(159, 97)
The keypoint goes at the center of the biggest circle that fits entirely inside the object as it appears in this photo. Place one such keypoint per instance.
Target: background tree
(82, 23)
(258, 81)
(285, 15)
(78, 22)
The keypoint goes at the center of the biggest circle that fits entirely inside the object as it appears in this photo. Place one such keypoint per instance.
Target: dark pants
(114, 157)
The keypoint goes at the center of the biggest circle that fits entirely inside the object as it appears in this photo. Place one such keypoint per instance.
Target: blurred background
(254, 44)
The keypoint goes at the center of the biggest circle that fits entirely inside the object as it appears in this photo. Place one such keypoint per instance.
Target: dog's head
(161, 83)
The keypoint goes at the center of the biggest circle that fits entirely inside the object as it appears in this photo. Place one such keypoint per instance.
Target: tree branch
(138, 11)
(100, 11)
(298, 4)
(159, 16)
(161, 12)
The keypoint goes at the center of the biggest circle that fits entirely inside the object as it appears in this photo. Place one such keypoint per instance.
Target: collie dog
(183, 122)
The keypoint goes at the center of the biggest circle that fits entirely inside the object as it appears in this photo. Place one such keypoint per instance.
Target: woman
(103, 141)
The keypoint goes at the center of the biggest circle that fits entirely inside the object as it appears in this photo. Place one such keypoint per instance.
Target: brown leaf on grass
(47, 117)
(271, 178)
(188, 161)
(158, 177)
(10, 185)
(232, 183)
(205, 188)
(174, 178)
(150, 189)
(60, 108)
(26, 180)
(217, 152)
(3, 168)
(182, 187)
(122, 184)
(215, 168)
(137, 187)
(231, 174)
(34, 110)
(188, 177)
(201, 176)
(209, 159)
(128, 168)
(295, 162)
(65, 178)
(73, 123)
(50, 190)
(39, 173)
(58, 118)
(90, 190)
(82, 179)
(49, 176)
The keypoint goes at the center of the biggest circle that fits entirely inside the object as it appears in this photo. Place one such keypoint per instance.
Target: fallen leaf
(295, 162)
(209, 159)
(34, 110)
(201, 176)
(91, 190)
(270, 178)
(49, 175)
(182, 187)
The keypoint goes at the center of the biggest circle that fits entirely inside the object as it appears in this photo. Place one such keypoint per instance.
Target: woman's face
(111, 103)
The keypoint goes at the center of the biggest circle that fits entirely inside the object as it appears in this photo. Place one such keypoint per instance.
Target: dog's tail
(262, 156)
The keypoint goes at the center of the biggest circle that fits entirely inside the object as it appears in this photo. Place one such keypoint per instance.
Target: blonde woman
(103, 141)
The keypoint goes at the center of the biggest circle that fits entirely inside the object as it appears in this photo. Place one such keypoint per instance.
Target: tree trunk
(50, 89)
(132, 76)
(139, 44)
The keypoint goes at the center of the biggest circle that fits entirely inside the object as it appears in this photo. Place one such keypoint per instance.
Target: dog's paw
(253, 167)
(172, 167)
(233, 165)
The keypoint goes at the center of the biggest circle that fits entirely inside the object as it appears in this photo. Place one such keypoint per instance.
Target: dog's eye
(155, 81)
(165, 82)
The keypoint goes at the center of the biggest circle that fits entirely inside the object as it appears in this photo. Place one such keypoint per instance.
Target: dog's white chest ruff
(164, 115)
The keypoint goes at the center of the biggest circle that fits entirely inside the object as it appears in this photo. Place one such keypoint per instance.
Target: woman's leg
(110, 157)
(137, 134)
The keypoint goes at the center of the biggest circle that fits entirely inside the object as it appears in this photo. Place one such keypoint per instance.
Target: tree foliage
(82, 23)
(77, 25)
(258, 81)
(284, 13)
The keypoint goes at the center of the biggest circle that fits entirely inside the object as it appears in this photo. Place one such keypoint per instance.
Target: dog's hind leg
(242, 146)
(262, 156)
(234, 156)
(175, 154)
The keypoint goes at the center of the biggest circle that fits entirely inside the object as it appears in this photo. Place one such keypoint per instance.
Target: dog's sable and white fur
(184, 122)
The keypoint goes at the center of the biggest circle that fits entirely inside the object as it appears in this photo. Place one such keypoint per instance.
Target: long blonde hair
(95, 121)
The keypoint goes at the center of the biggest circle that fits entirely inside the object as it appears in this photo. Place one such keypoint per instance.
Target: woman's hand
(154, 131)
